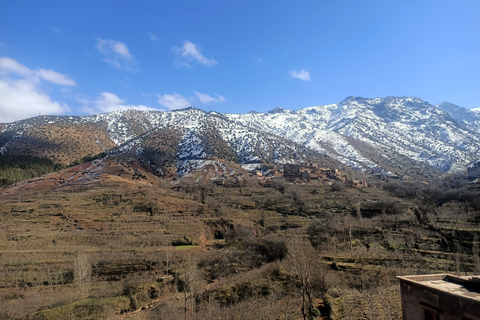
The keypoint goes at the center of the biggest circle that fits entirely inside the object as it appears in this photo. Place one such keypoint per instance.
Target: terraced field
(142, 237)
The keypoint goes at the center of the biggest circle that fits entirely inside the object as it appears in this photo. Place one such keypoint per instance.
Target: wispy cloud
(22, 93)
(302, 75)
(10, 66)
(178, 101)
(57, 31)
(173, 101)
(205, 98)
(188, 53)
(116, 53)
(153, 36)
(55, 77)
(108, 102)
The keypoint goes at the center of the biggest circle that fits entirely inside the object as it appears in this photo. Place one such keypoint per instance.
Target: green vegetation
(83, 309)
(88, 158)
(17, 168)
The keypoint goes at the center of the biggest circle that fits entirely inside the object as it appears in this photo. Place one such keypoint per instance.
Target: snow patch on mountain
(191, 145)
(407, 125)
(353, 131)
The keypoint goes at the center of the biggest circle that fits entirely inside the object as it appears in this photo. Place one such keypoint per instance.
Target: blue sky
(85, 57)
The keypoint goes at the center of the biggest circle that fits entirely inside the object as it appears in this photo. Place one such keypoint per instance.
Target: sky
(90, 57)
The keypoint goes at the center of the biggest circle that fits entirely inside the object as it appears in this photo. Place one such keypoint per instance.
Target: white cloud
(173, 101)
(55, 77)
(22, 99)
(178, 101)
(21, 91)
(117, 54)
(8, 66)
(205, 98)
(302, 75)
(189, 52)
(111, 46)
(108, 102)
(153, 36)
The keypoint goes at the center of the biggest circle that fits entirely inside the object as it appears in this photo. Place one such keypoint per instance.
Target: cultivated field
(126, 244)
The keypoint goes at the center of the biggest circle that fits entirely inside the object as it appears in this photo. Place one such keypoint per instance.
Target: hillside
(177, 215)
(147, 245)
(401, 132)
(393, 137)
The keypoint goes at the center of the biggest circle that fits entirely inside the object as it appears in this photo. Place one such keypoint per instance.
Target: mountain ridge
(390, 137)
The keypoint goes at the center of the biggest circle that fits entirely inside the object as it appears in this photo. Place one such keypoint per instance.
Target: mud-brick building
(440, 297)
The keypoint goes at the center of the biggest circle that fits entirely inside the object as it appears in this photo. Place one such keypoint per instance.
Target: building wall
(417, 298)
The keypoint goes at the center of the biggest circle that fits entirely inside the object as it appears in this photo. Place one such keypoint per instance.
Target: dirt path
(150, 305)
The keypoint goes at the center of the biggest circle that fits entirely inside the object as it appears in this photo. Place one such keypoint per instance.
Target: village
(294, 173)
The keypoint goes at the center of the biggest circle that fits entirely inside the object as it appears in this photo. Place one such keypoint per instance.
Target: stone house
(440, 297)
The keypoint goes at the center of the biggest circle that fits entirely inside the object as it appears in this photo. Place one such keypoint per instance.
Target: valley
(108, 239)
(307, 214)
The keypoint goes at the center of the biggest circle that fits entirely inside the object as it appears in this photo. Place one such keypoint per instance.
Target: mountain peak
(352, 99)
(277, 110)
(449, 107)
(391, 136)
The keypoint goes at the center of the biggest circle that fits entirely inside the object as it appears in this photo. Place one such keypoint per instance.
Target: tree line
(15, 168)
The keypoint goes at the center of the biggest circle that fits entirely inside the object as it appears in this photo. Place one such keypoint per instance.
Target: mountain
(374, 134)
(185, 141)
(396, 137)
(175, 141)
(468, 117)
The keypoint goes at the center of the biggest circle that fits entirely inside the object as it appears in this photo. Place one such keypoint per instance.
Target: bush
(182, 242)
(271, 249)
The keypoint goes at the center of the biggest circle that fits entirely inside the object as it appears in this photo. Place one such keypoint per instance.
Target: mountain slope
(407, 127)
(200, 136)
(390, 137)
(467, 117)
(168, 141)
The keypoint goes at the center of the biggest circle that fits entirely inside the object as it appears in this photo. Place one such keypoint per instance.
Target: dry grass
(126, 228)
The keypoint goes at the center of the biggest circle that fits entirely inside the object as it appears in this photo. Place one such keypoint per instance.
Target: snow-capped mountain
(468, 117)
(174, 139)
(194, 136)
(364, 132)
(393, 136)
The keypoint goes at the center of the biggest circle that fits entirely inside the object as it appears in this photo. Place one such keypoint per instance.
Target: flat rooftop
(465, 286)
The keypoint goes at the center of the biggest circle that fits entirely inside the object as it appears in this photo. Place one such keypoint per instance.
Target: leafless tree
(301, 260)
(82, 273)
(189, 282)
(168, 256)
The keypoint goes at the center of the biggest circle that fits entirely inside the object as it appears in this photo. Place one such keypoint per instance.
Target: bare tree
(302, 261)
(347, 223)
(189, 282)
(168, 256)
(82, 272)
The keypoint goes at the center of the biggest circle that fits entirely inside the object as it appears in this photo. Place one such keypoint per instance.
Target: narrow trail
(148, 306)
